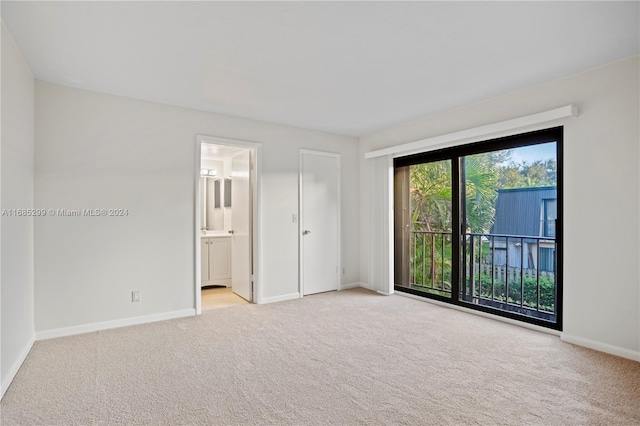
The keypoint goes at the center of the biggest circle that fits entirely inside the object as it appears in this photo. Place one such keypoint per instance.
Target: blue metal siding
(518, 211)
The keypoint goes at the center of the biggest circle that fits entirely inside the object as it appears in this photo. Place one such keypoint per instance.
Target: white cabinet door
(220, 259)
(204, 261)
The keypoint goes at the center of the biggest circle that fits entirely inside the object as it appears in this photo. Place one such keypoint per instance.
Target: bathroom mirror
(212, 195)
(227, 192)
(216, 181)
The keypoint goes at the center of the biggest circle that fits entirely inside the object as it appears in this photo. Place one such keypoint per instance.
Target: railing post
(506, 280)
(479, 265)
(433, 260)
(415, 259)
(538, 278)
(493, 267)
(442, 263)
(472, 269)
(555, 278)
(422, 260)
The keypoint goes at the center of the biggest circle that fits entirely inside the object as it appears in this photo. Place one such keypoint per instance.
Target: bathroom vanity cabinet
(215, 260)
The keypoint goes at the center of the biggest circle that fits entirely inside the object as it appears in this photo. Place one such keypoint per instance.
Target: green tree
(481, 178)
(430, 211)
(431, 193)
(431, 196)
(524, 175)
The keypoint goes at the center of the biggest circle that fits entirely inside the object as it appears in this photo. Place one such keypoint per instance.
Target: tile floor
(213, 298)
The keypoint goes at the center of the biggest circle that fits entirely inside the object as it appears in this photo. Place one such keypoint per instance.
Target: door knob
(306, 232)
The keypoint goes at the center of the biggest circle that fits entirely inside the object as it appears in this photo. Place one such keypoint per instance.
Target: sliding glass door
(479, 226)
(426, 227)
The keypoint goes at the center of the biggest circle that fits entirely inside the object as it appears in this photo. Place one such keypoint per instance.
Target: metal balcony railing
(515, 273)
(430, 258)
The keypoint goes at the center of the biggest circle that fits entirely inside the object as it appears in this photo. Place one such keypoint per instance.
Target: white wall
(601, 217)
(217, 165)
(93, 151)
(16, 177)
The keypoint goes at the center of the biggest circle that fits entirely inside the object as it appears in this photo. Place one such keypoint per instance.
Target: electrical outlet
(135, 296)
(343, 271)
(294, 218)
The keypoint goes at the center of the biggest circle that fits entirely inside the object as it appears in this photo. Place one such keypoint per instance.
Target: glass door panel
(510, 199)
(429, 224)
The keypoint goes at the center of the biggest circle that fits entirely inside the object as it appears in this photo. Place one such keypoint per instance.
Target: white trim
(381, 195)
(482, 314)
(366, 286)
(390, 226)
(16, 366)
(300, 245)
(282, 298)
(476, 132)
(350, 285)
(567, 338)
(337, 156)
(197, 219)
(256, 148)
(106, 325)
(601, 347)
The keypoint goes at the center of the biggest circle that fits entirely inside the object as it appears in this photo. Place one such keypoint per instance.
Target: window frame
(455, 154)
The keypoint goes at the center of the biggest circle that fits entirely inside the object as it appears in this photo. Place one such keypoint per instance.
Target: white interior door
(319, 221)
(241, 225)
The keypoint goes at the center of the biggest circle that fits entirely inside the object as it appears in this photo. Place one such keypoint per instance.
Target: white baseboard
(350, 285)
(366, 285)
(602, 347)
(567, 338)
(282, 298)
(96, 326)
(6, 381)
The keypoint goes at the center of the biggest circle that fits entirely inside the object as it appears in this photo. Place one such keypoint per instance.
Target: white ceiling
(341, 67)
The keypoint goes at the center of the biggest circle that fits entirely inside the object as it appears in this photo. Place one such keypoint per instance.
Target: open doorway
(226, 225)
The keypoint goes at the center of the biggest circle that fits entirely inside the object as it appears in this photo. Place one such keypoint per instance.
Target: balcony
(512, 273)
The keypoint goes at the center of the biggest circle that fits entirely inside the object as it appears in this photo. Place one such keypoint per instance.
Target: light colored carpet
(350, 357)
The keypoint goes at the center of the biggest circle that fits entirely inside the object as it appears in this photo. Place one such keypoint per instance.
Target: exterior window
(549, 215)
(547, 259)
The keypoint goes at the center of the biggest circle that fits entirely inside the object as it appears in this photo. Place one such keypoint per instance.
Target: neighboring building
(526, 212)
